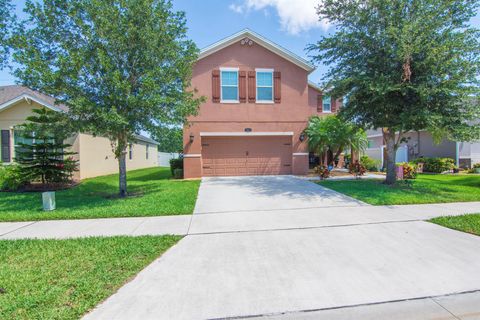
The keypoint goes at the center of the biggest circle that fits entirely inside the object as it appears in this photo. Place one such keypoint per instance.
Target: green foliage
(169, 139)
(178, 173)
(121, 67)
(436, 165)
(427, 188)
(154, 194)
(467, 223)
(370, 163)
(404, 65)
(476, 166)
(7, 20)
(176, 164)
(409, 170)
(333, 134)
(43, 158)
(64, 279)
(11, 178)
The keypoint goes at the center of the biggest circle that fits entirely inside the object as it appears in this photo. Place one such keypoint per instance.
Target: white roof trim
(26, 96)
(314, 86)
(275, 48)
(243, 134)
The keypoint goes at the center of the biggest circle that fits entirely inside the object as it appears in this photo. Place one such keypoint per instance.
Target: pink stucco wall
(298, 103)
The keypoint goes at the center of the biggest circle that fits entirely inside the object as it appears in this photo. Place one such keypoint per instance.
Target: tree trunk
(384, 150)
(391, 152)
(122, 177)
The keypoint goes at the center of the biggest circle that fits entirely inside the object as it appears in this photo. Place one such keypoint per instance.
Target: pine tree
(42, 153)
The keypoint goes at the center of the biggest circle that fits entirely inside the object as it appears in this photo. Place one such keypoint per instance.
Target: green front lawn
(424, 189)
(467, 223)
(153, 193)
(64, 279)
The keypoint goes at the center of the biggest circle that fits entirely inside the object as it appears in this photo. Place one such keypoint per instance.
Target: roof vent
(246, 42)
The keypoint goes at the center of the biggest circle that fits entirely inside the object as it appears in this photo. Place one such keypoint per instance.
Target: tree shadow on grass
(151, 176)
(467, 181)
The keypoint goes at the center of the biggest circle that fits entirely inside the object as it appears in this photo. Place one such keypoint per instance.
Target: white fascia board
(244, 134)
(314, 86)
(275, 48)
(25, 96)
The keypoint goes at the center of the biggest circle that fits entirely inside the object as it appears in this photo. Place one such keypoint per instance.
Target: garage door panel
(234, 156)
(207, 161)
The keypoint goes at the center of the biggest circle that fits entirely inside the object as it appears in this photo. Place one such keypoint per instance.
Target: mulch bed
(38, 187)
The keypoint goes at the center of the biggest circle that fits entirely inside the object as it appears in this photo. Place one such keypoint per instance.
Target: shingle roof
(145, 139)
(12, 93)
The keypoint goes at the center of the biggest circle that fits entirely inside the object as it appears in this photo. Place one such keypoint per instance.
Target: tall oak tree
(403, 65)
(121, 66)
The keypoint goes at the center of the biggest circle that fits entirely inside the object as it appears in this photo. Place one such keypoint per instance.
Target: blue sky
(290, 23)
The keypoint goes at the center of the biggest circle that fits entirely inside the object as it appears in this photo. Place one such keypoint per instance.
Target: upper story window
(229, 84)
(264, 85)
(327, 104)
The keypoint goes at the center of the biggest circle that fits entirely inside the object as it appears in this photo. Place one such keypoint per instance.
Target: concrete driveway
(239, 194)
(310, 254)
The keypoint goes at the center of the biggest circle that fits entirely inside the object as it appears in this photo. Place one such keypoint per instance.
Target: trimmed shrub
(436, 165)
(370, 163)
(176, 164)
(11, 178)
(178, 173)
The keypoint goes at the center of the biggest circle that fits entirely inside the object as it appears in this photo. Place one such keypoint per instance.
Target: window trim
(14, 143)
(257, 70)
(323, 105)
(229, 69)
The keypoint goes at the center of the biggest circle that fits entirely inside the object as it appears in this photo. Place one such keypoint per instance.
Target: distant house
(258, 104)
(421, 144)
(94, 153)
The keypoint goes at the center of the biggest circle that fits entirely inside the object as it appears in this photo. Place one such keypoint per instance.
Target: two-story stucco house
(258, 103)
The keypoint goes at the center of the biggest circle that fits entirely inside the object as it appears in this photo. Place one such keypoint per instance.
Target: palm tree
(333, 135)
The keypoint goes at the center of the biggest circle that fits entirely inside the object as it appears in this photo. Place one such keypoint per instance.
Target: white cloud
(236, 8)
(295, 15)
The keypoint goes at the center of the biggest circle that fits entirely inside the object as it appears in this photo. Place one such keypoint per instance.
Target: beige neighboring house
(94, 153)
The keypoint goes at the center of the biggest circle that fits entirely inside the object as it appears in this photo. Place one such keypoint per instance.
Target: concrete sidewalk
(450, 307)
(62, 229)
(232, 221)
